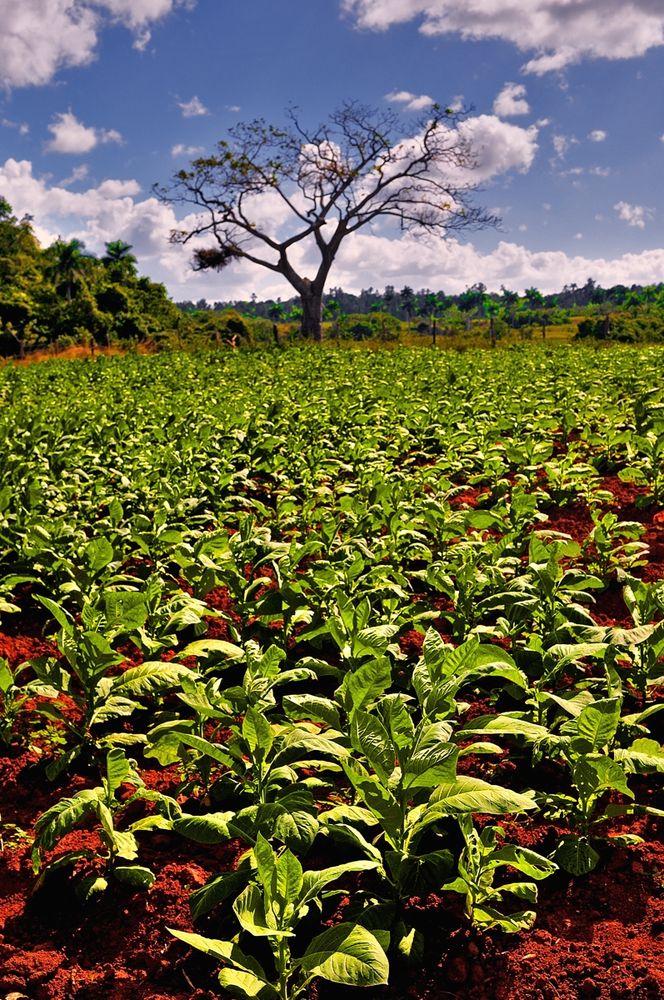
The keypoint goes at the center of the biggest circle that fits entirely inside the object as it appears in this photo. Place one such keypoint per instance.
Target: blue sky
(103, 98)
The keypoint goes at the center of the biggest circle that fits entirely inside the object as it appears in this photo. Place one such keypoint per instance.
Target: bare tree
(329, 182)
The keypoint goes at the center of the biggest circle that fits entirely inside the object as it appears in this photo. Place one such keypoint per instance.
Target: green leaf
(506, 725)
(99, 553)
(118, 770)
(315, 881)
(367, 682)
(216, 891)
(598, 722)
(513, 923)
(125, 610)
(135, 876)
(313, 708)
(204, 647)
(644, 755)
(257, 731)
(347, 954)
(433, 762)
(150, 678)
(370, 737)
(576, 855)
(524, 860)
(472, 795)
(250, 911)
(204, 747)
(224, 951)
(289, 877)
(243, 985)
(63, 817)
(61, 616)
(211, 828)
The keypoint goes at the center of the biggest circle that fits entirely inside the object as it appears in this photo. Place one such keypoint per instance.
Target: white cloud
(192, 108)
(597, 135)
(558, 32)
(233, 108)
(411, 102)
(600, 171)
(23, 127)
(72, 136)
(634, 215)
(179, 149)
(77, 174)
(562, 144)
(511, 101)
(41, 37)
(578, 236)
(499, 146)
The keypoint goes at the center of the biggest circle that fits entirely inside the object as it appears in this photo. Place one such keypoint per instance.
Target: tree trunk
(312, 308)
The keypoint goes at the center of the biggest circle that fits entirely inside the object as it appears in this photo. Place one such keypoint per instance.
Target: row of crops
(383, 610)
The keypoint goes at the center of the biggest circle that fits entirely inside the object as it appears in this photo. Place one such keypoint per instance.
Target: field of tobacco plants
(330, 670)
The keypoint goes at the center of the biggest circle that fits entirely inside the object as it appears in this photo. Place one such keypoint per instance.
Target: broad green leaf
(204, 647)
(506, 725)
(216, 891)
(472, 795)
(238, 983)
(370, 737)
(313, 882)
(64, 815)
(347, 954)
(135, 876)
(289, 877)
(150, 678)
(99, 553)
(118, 769)
(598, 722)
(210, 828)
(207, 749)
(223, 951)
(257, 731)
(250, 911)
(312, 707)
(576, 855)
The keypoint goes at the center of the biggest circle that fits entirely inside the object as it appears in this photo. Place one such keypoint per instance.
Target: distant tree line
(456, 312)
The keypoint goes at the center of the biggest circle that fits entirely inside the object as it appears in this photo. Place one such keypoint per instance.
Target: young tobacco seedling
(99, 698)
(122, 845)
(394, 793)
(271, 906)
(479, 862)
(262, 762)
(584, 744)
(13, 697)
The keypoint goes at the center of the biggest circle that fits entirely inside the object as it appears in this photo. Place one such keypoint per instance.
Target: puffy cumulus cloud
(511, 101)
(411, 102)
(192, 108)
(558, 32)
(498, 146)
(597, 135)
(633, 215)
(372, 260)
(41, 37)
(72, 136)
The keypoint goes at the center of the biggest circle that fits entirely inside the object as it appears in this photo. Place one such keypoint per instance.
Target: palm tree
(68, 268)
(119, 259)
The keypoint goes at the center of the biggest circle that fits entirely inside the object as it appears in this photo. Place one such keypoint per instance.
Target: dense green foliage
(319, 560)
(63, 295)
